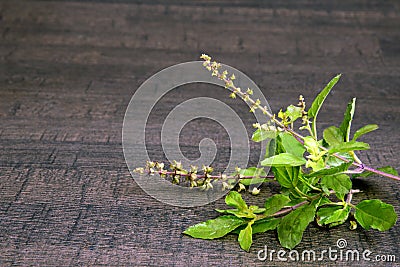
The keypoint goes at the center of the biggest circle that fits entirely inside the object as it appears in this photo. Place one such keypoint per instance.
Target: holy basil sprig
(313, 172)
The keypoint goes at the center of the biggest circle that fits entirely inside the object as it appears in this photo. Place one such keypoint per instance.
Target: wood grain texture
(69, 68)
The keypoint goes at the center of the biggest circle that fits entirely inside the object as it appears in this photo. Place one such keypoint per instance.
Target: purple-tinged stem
(391, 176)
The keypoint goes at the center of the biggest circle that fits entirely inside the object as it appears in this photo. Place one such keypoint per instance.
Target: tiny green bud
(224, 73)
(193, 183)
(281, 115)
(193, 168)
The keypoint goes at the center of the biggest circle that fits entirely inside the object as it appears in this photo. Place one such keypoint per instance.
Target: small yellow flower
(205, 57)
(353, 225)
(241, 187)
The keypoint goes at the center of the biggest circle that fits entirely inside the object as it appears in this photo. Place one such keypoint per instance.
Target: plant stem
(287, 210)
(215, 177)
(349, 197)
(391, 176)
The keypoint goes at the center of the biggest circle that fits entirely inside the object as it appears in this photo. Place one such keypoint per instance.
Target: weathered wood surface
(69, 69)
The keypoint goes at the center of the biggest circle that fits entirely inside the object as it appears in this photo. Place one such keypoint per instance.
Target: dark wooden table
(69, 69)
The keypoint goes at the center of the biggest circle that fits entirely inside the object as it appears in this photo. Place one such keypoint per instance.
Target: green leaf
(323, 201)
(246, 213)
(317, 103)
(375, 214)
(333, 161)
(237, 213)
(312, 147)
(292, 226)
(264, 225)
(214, 228)
(329, 171)
(291, 145)
(293, 112)
(261, 226)
(340, 196)
(275, 203)
(246, 237)
(234, 199)
(283, 159)
(364, 130)
(315, 165)
(253, 171)
(319, 100)
(286, 176)
(261, 135)
(256, 173)
(270, 148)
(348, 117)
(341, 183)
(349, 146)
(256, 209)
(333, 136)
(333, 215)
